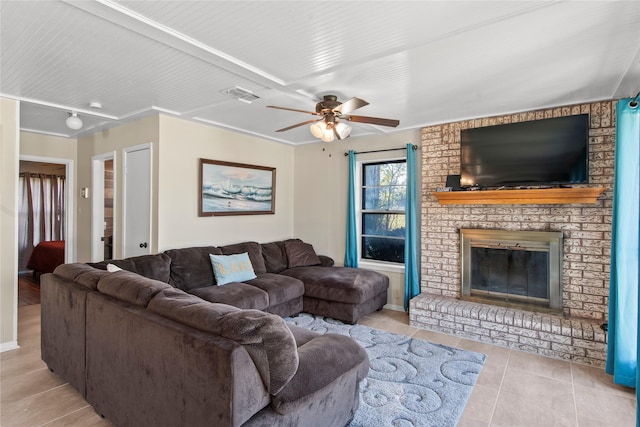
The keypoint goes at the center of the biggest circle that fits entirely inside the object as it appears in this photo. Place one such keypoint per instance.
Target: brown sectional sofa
(161, 344)
(338, 292)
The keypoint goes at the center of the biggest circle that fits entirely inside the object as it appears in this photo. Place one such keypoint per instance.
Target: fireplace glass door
(518, 273)
(516, 267)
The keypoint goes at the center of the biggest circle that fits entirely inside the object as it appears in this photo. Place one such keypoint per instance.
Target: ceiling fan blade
(350, 105)
(293, 109)
(372, 120)
(297, 125)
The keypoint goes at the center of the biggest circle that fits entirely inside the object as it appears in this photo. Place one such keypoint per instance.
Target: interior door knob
(143, 245)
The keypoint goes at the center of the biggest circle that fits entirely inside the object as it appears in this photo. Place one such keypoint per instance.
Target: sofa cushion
(232, 268)
(155, 267)
(253, 249)
(265, 336)
(326, 261)
(321, 361)
(82, 274)
(191, 267)
(236, 294)
(341, 284)
(275, 257)
(302, 335)
(300, 254)
(131, 287)
(279, 288)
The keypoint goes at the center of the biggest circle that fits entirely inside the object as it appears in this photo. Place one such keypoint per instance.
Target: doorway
(103, 216)
(45, 218)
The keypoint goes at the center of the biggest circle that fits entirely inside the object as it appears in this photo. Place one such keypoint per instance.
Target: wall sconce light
(73, 121)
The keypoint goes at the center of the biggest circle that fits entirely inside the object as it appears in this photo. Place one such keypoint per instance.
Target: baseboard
(394, 307)
(11, 345)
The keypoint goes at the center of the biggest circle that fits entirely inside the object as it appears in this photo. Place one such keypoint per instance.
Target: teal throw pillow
(232, 268)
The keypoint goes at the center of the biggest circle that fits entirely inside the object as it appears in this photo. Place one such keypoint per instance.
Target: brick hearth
(578, 340)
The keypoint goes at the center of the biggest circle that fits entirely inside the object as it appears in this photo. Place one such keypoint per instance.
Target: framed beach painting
(236, 189)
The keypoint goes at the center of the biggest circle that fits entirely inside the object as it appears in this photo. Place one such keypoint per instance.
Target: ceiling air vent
(241, 94)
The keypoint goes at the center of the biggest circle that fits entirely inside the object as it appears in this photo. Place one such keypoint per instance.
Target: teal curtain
(622, 351)
(411, 280)
(351, 247)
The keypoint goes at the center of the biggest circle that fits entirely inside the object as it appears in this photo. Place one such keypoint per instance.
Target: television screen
(541, 152)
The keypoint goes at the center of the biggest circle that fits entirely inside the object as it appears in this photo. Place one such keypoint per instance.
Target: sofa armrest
(326, 261)
(265, 336)
(321, 362)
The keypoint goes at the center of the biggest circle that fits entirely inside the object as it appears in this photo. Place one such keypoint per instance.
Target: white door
(137, 201)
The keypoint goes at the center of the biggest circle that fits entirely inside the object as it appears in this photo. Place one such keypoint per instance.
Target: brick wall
(586, 228)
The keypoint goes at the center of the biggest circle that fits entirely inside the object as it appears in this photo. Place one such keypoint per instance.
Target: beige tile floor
(514, 388)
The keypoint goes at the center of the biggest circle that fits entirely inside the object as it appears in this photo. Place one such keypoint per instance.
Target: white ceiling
(421, 62)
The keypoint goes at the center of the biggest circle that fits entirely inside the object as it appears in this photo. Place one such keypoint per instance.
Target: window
(382, 227)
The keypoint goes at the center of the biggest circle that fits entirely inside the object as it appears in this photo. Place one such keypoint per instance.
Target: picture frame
(227, 188)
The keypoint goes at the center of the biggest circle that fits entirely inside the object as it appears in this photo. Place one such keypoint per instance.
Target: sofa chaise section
(341, 293)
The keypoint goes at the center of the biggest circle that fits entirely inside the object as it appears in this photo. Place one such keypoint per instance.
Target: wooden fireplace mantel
(540, 196)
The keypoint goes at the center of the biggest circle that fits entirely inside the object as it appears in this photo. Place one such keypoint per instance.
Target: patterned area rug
(411, 382)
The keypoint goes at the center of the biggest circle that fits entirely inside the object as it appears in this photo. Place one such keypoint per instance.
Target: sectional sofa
(161, 342)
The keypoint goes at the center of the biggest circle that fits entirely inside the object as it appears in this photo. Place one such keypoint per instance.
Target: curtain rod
(415, 147)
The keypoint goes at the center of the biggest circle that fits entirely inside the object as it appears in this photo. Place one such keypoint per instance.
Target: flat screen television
(536, 153)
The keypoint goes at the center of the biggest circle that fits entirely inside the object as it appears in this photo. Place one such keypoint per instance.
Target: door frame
(97, 203)
(125, 153)
(70, 244)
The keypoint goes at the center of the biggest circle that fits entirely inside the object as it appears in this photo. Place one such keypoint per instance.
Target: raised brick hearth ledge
(574, 339)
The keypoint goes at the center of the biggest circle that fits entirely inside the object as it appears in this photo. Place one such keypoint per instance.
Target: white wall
(182, 144)
(177, 146)
(35, 144)
(321, 172)
(9, 148)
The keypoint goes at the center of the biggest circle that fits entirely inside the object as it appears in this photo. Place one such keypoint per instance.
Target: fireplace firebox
(512, 267)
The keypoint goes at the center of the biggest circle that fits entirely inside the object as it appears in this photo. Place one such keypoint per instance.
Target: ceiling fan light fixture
(322, 131)
(328, 136)
(73, 121)
(329, 127)
(317, 129)
(343, 129)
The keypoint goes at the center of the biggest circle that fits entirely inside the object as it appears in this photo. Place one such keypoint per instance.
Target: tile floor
(514, 388)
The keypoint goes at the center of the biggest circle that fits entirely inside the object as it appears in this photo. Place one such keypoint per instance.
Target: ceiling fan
(331, 111)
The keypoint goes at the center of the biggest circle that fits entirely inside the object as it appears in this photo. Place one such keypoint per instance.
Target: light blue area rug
(411, 382)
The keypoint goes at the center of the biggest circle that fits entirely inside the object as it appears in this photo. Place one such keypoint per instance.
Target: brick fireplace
(575, 334)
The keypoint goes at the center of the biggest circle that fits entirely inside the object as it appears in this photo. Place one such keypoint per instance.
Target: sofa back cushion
(253, 249)
(157, 267)
(275, 258)
(131, 287)
(82, 274)
(300, 254)
(191, 267)
(265, 336)
(275, 255)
